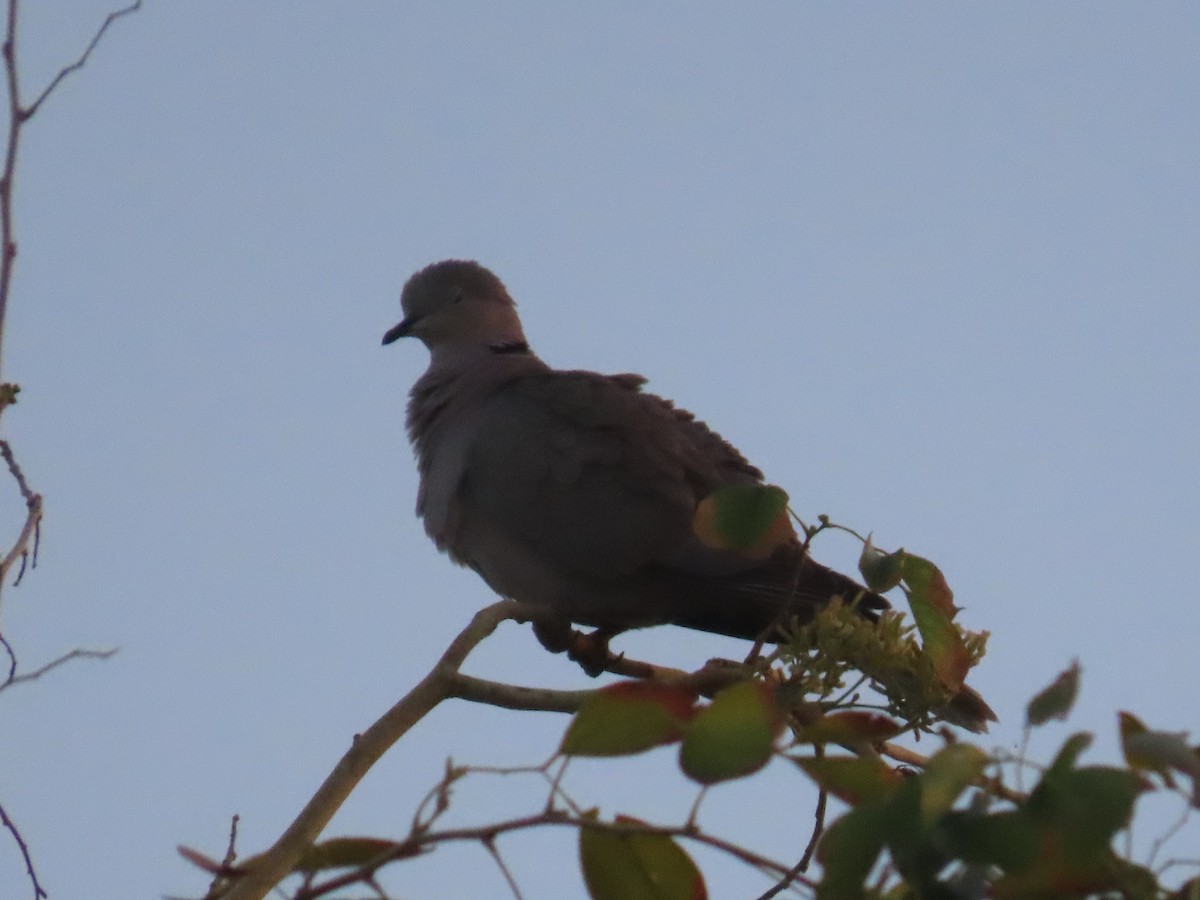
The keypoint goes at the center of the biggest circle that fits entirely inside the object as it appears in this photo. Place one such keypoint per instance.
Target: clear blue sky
(934, 267)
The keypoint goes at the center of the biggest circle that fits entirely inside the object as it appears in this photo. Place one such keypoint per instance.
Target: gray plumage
(575, 492)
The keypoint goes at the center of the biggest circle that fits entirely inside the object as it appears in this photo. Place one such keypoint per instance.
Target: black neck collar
(513, 347)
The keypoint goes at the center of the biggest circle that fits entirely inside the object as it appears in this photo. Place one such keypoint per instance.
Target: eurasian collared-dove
(575, 492)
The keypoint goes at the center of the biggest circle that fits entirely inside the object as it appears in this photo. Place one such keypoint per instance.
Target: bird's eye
(458, 296)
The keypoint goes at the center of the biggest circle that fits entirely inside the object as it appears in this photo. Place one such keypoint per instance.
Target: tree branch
(513, 696)
(83, 57)
(38, 892)
(27, 541)
(271, 867)
(77, 653)
(487, 834)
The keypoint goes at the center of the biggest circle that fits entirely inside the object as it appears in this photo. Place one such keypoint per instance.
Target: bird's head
(457, 304)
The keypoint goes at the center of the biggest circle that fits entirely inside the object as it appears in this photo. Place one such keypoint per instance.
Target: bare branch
(274, 865)
(513, 696)
(26, 545)
(31, 530)
(77, 653)
(490, 845)
(487, 834)
(806, 858)
(38, 892)
(82, 60)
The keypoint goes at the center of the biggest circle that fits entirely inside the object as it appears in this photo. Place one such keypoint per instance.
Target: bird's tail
(766, 600)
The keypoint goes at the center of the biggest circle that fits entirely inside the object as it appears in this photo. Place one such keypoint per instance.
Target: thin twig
(83, 57)
(416, 843)
(818, 830)
(490, 846)
(1163, 839)
(12, 659)
(16, 118)
(230, 850)
(77, 653)
(805, 858)
(26, 545)
(38, 892)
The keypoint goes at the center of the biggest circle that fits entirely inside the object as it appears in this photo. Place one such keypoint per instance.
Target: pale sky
(932, 266)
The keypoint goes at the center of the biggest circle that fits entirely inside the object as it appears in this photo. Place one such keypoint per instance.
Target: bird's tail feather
(763, 601)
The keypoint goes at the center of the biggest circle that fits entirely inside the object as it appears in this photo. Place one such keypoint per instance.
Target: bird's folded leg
(556, 635)
(589, 649)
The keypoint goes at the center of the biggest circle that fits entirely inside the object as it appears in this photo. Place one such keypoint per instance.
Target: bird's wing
(595, 477)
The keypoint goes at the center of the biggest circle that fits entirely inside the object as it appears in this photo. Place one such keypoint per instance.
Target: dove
(576, 492)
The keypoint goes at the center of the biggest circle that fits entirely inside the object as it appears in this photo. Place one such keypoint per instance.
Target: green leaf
(1159, 752)
(734, 735)
(849, 849)
(933, 610)
(1067, 755)
(1056, 700)
(1088, 806)
(1189, 890)
(949, 772)
(1058, 843)
(627, 718)
(881, 571)
(1006, 839)
(852, 779)
(632, 866)
(750, 519)
(924, 578)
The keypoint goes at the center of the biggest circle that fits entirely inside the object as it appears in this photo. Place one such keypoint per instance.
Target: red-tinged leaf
(1056, 700)
(852, 779)
(635, 866)
(949, 772)
(852, 727)
(734, 735)
(881, 571)
(968, 710)
(207, 863)
(924, 578)
(1159, 752)
(627, 718)
(941, 642)
(344, 853)
(749, 519)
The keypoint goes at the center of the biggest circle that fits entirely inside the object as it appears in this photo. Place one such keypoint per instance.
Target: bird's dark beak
(404, 329)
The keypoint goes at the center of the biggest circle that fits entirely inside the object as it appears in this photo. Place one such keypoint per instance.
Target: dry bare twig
(488, 833)
(24, 548)
(38, 891)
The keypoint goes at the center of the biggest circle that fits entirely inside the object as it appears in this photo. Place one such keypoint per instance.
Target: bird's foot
(589, 649)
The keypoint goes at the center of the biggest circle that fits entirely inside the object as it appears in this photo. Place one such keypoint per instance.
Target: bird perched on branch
(577, 493)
